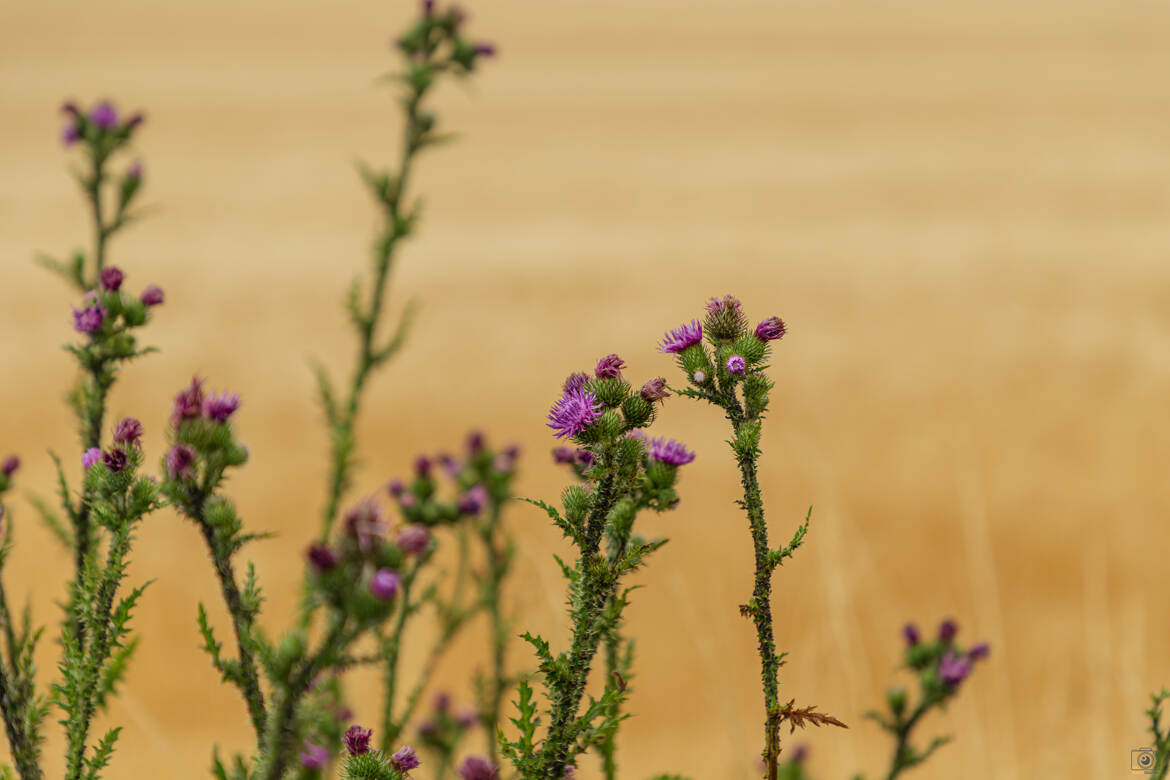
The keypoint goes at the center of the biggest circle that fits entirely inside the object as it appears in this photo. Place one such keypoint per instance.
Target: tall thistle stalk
(727, 372)
(627, 473)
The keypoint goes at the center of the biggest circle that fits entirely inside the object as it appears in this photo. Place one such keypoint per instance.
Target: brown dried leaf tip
(806, 715)
(745, 610)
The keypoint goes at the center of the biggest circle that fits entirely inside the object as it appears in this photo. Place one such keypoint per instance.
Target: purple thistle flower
(385, 584)
(610, 367)
(575, 381)
(188, 403)
(322, 558)
(771, 329)
(654, 390)
(405, 759)
(474, 500)
(979, 651)
(722, 305)
(104, 115)
(573, 413)
(585, 458)
(451, 466)
(736, 365)
(135, 120)
(112, 277)
(669, 451)
(357, 740)
(503, 463)
(414, 538)
(478, 768)
(90, 457)
(314, 756)
(422, 466)
(475, 442)
(724, 319)
(467, 718)
(180, 460)
(485, 49)
(89, 319)
(442, 701)
(135, 171)
(128, 431)
(11, 464)
(910, 632)
(70, 108)
(115, 460)
(952, 668)
(682, 337)
(70, 134)
(152, 295)
(565, 456)
(364, 522)
(220, 407)
(428, 7)
(396, 488)
(947, 630)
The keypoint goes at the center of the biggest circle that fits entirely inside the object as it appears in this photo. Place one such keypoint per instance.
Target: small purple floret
(115, 460)
(771, 329)
(152, 295)
(112, 278)
(910, 632)
(104, 115)
(89, 319)
(573, 413)
(188, 403)
(70, 134)
(396, 488)
(385, 584)
(474, 500)
(220, 407)
(180, 461)
(128, 431)
(979, 651)
(405, 759)
(682, 337)
(947, 630)
(414, 538)
(135, 171)
(575, 381)
(90, 457)
(314, 756)
(364, 522)
(422, 466)
(11, 464)
(669, 451)
(736, 365)
(478, 768)
(322, 558)
(357, 740)
(610, 367)
(654, 390)
(952, 668)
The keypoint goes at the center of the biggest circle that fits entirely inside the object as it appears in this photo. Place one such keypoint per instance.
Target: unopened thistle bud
(654, 390)
(474, 500)
(725, 319)
(322, 558)
(112, 278)
(10, 465)
(947, 630)
(405, 759)
(414, 538)
(478, 768)
(152, 295)
(610, 367)
(180, 461)
(575, 381)
(128, 431)
(771, 329)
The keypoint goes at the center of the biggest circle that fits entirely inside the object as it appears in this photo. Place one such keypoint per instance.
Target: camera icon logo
(1142, 760)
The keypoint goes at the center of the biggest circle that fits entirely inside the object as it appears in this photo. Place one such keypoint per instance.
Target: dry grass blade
(802, 717)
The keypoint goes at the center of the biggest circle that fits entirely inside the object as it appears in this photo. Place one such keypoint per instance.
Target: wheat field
(961, 209)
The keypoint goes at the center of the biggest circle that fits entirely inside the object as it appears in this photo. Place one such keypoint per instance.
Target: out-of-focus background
(961, 209)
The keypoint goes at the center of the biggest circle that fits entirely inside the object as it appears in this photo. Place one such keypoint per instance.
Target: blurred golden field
(961, 209)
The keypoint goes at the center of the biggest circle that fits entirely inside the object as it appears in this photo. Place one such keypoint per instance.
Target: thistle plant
(941, 666)
(1159, 765)
(728, 372)
(628, 472)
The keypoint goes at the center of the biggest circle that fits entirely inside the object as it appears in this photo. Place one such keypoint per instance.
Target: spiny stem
(495, 573)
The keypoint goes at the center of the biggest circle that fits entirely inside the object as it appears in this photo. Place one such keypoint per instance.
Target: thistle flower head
(564, 456)
(953, 668)
(575, 381)
(111, 278)
(128, 431)
(478, 768)
(357, 740)
(384, 584)
(70, 134)
(188, 403)
(90, 457)
(104, 115)
(476, 442)
(669, 451)
(910, 632)
(396, 488)
(322, 558)
(10, 465)
(115, 460)
(771, 329)
(736, 365)
(680, 338)
(725, 319)
(979, 651)
(654, 390)
(89, 319)
(152, 295)
(314, 756)
(467, 718)
(422, 466)
(220, 407)
(180, 461)
(474, 500)
(699, 377)
(405, 759)
(947, 630)
(575, 411)
(414, 538)
(610, 367)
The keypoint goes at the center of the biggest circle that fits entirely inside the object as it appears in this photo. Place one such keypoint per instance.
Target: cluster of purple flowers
(100, 121)
(98, 304)
(127, 434)
(952, 665)
(191, 403)
(479, 477)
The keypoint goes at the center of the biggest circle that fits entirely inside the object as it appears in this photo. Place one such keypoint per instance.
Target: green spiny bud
(637, 411)
(660, 474)
(755, 395)
(134, 312)
(897, 700)
(750, 347)
(235, 454)
(747, 440)
(611, 425)
(724, 319)
(611, 392)
(576, 503)
(694, 358)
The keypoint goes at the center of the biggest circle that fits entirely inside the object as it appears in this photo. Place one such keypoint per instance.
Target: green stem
(496, 570)
(21, 744)
(899, 761)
